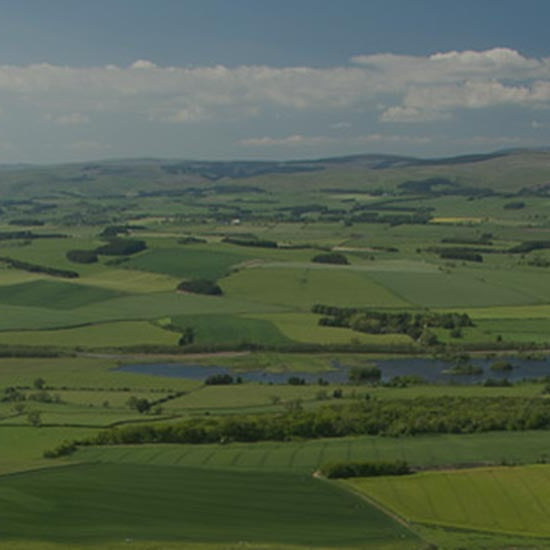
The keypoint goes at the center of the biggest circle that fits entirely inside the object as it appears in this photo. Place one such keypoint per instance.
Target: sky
(264, 79)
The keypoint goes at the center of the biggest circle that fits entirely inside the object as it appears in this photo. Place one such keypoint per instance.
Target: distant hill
(509, 172)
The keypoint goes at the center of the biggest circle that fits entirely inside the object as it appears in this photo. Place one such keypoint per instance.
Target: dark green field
(111, 502)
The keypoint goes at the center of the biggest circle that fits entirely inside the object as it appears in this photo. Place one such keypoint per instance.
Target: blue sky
(271, 79)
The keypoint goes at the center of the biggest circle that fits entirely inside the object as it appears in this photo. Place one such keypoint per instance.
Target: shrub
(330, 258)
(82, 256)
(219, 380)
(335, 470)
(121, 247)
(200, 286)
(358, 375)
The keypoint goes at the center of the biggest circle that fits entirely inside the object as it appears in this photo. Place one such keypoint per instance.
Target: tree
(34, 418)
(39, 383)
(140, 405)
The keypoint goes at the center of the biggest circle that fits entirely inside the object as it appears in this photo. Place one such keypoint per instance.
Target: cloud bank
(422, 89)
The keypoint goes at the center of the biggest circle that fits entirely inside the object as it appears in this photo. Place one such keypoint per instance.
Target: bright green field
(513, 500)
(22, 447)
(125, 333)
(304, 327)
(306, 456)
(187, 262)
(189, 505)
(302, 288)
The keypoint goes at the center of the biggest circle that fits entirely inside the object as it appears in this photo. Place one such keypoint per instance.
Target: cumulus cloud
(413, 89)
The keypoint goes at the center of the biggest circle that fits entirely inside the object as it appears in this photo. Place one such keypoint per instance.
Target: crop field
(188, 262)
(301, 288)
(304, 327)
(124, 333)
(307, 456)
(226, 329)
(512, 500)
(188, 505)
(54, 295)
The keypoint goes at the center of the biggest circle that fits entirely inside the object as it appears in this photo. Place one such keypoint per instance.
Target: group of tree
(381, 322)
(35, 268)
(372, 468)
(252, 241)
(404, 417)
(200, 286)
(330, 258)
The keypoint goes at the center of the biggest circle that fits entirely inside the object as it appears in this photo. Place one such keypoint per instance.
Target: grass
(307, 456)
(304, 327)
(142, 502)
(22, 446)
(81, 372)
(230, 329)
(302, 288)
(124, 333)
(136, 307)
(188, 262)
(455, 289)
(512, 500)
(53, 294)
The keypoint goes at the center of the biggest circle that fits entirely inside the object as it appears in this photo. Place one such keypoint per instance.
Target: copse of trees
(200, 286)
(380, 322)
(121, 247)
(330, 258)
(529, 246)
(462, 255)
(403, 417)
(82, 256)
(367, 374)
(219, 380)
(35, 268)
(373, 468)
(241, 241)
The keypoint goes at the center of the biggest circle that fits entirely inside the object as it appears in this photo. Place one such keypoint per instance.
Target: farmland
(301, 300)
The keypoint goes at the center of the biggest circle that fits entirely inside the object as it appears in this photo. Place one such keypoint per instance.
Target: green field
(187, 263)
(301, 288)
(307, 456)
(189, 505)
(124, 333)
(54, 295)
(411, 251)
(503, 500)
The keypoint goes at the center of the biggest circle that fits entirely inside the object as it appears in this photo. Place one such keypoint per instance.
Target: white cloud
(411, 114)
(70, 119)
(411, 88)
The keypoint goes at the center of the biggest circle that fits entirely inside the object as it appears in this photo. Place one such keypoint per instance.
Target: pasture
(505, 500)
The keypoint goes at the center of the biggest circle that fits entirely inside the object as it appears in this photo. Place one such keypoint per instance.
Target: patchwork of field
(512, 500)
(396, 241)
(184, 504)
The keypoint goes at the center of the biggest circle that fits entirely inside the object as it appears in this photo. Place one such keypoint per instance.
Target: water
(429, 369)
